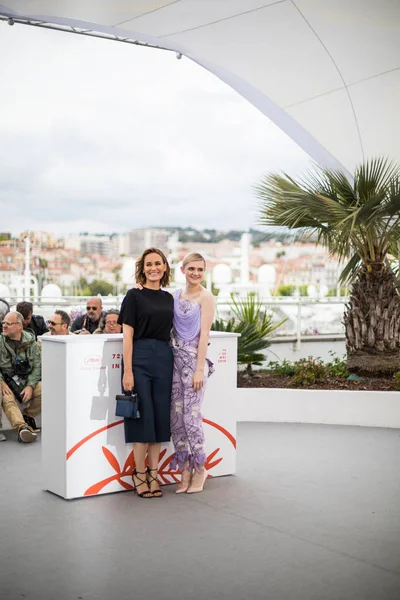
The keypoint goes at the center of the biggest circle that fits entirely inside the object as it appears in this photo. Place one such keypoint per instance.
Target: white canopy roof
(327, 72)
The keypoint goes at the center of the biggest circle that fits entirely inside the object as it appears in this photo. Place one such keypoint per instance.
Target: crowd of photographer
(20, 357)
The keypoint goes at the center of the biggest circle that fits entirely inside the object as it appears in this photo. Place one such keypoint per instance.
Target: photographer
(4, 308)
(58, 324)
(20, 375)
(111, 324)
(33, 323)
(92, 320)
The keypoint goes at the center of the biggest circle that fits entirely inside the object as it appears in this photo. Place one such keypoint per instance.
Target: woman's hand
(127, 382)
(138, 286)
(198, 379)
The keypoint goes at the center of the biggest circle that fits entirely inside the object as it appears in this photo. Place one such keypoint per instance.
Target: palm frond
(285, 203)
(350, 270)
(349, 218)
(342, 187)
(375, 174)
(369, 209)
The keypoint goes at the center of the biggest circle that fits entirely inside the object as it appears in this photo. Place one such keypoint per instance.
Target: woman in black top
(146, 318)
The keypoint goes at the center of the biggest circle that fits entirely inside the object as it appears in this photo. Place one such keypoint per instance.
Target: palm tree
(359, 221)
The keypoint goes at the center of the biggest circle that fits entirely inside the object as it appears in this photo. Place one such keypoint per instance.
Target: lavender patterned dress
(186, 418)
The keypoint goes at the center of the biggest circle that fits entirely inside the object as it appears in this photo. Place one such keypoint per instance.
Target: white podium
(83, 447)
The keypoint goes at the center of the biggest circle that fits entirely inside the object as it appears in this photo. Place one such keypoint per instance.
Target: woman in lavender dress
(193, 316)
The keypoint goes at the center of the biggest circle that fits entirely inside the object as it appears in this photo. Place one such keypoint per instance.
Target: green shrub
(332, 292)
(284, 367)
(397, 381)
(250, 344)
(285, 290)
(337, 367)
(221, 325)
(303, 290)
(289, 290)
(99, 286)
(307, 371)
(254, 325)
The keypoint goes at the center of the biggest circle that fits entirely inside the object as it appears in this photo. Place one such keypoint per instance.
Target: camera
(21, 367)
(15, 377)
(13, 383)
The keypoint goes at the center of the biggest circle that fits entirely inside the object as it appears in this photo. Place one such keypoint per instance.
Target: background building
(95, 244)
(119, 245)
(140, 239)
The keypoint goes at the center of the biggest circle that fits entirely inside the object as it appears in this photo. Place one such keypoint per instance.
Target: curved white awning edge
(263, 103)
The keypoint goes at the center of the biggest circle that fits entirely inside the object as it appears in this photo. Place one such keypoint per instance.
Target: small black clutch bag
(127, 405)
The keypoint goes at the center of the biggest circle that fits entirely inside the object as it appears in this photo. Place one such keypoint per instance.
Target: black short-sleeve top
(149, 312)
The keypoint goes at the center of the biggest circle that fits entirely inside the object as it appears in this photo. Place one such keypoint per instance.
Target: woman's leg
(185, 479)
(139, 474)
(162, 372)
(180, 458)
(139, 452)
(178, 431)
(193, 423)
(154, 456)
(193, 417)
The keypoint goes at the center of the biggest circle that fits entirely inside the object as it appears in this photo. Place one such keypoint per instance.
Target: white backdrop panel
(276, 51)
(362, 35)
(330, 118)
(285, 51)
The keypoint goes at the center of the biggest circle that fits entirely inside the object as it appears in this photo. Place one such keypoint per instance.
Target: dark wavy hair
(139, 273)
(25, 308)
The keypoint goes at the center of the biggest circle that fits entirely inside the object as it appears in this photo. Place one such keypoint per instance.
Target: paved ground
(313, 514)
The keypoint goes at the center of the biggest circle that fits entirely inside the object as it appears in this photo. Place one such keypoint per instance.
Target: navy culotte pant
(152, 365)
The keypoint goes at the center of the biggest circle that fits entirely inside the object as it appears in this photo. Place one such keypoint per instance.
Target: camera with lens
(15, 377)
(14, 384)
(21, 367)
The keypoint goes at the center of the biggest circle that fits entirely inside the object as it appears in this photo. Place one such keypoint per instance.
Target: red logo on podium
(93, 360)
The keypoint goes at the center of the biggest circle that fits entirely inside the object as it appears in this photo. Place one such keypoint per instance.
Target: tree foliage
(358, 221)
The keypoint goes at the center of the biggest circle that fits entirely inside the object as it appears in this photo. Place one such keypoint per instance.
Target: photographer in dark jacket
(20, 374)
(34, 323)
(92, 320)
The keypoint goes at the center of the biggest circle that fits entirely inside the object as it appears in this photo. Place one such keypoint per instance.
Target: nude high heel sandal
(197, 486)
(185, 482)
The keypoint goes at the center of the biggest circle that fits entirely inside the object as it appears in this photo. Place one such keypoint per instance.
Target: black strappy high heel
(150, 478)
(147, 493)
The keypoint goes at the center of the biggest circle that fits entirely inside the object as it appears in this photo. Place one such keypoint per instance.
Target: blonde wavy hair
(193, 257)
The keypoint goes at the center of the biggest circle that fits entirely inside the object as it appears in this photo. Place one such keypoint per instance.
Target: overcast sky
(106, 137)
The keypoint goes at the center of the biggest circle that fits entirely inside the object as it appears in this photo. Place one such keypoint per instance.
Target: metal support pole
(298, 341)
(27, 273)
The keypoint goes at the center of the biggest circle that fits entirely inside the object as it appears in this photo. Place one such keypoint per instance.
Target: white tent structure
(327, 72)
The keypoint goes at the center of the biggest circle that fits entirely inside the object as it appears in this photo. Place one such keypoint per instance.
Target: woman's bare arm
(127, 352)
(207, 307)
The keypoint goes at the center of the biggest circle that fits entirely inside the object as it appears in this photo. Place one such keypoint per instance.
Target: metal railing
(301, 321)
(301, 324)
